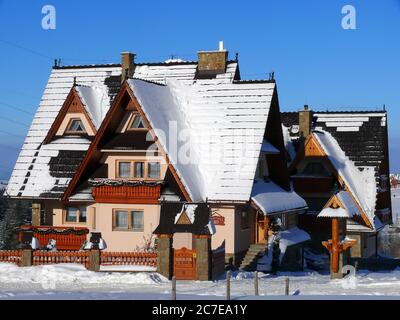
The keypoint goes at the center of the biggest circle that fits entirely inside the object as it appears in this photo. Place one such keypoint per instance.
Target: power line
(12, 134)
(14, 121)
(26, 49)
(15, 108)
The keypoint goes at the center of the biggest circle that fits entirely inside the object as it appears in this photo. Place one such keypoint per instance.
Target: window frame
(76, 133)
(245, 226)
(132, 119)
(132, 170)
(130, 227)
(78, 215)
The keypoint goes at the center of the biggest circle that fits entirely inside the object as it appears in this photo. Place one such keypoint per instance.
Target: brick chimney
(127, 65)
(211, 63)
(305, 121)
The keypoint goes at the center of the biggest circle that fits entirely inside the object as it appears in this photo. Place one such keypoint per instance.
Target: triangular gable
(124, 101)
(72, 109)
(312, 148)
(183, 219)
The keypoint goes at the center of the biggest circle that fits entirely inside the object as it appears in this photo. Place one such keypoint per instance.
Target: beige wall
(99, 219)
(111, 161)
(365, 246)
(236, 239)
(68, 117)
(183, 240)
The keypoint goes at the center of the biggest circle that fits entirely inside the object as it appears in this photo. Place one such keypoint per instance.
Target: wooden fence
(13, 256)
(57, 257)
(129, 258)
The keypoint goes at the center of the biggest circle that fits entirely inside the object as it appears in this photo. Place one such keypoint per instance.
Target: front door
(261, 229)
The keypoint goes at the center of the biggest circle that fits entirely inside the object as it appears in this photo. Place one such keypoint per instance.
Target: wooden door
(185, 264)
(261, 229)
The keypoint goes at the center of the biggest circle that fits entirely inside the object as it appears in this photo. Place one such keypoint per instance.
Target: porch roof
(270, 198)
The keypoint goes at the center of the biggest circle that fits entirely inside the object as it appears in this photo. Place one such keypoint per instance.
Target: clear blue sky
(315, 60)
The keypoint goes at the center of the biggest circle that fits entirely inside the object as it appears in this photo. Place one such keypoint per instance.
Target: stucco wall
(99, 219)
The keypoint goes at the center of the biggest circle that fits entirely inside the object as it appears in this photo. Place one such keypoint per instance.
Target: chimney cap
(306, 108)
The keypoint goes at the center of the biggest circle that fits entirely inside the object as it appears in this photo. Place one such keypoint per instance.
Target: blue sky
(315, 60)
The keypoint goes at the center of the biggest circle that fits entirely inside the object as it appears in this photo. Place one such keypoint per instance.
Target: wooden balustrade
(10, 256)
(141, 194)
(68, 241)
(57, 257)
(129, 258)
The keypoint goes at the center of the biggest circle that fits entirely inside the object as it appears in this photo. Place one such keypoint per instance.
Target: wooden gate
(185, 264)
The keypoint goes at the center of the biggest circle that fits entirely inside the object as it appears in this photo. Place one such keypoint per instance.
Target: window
(315, 169)
(139, 170)
(128, 220)
(124, 169)
(136, 123)
(244, 220)
(76, 127)
(153, 170)
(75, 215)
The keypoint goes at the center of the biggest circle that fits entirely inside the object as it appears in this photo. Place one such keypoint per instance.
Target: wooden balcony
(139, 194)
(66, 238)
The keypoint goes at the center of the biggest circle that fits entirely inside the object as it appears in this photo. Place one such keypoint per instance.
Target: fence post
(94, 260)
(26, 258)
(228, 285)
(256, 283)
(287, 286)
(173, 291)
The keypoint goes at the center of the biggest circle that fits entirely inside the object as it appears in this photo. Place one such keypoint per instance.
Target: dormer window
(75, 126)
(136, 122)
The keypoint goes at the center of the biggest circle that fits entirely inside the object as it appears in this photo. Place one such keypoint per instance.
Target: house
(340, 160)
(185, 152)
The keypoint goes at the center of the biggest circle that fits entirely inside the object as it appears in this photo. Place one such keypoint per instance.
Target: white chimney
(221, 46)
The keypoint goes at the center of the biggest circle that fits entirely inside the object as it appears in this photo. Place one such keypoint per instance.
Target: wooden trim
(63, 112)
(130, 222)
(105, 124)
(75, 133)
(132, 117)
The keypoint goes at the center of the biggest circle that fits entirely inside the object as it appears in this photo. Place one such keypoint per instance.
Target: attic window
(136, 123)
(75, 126)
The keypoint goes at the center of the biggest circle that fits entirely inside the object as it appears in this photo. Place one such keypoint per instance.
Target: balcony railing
(142, 193)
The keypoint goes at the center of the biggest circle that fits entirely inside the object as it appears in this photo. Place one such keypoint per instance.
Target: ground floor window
(128, 220)
(244, 220)
(75, 214)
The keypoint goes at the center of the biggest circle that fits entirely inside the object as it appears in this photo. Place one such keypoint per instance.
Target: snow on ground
(75, 282)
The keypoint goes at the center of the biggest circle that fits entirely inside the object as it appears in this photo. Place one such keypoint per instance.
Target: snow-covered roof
(271, 198)
(291, 237)
(95, 100)
(220, 124)
(348, 203)
(32, 176)
(362, 184)
(335, 213)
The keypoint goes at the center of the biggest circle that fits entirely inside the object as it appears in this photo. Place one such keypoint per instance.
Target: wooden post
(228, 285)
(256, 283)
(173, 289)
(94, 260)
(335, 245)
(26, 258)
(287, 286)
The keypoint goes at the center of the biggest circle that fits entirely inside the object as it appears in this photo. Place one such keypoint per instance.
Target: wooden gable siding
(124, 100)
(72, 104)
(312, 149)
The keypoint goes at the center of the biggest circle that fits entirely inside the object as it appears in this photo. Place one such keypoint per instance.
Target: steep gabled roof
(32, 176)
(224, 126)
(36, 173)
